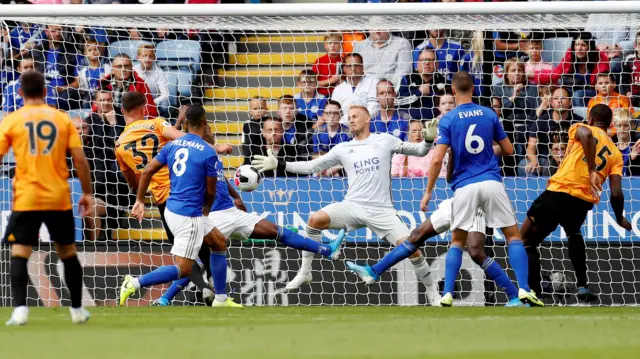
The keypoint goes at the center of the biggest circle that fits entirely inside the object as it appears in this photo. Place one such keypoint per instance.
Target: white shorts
(385, 223)
(488, 196)
(232, 222)
(188, 233)
(441, 218)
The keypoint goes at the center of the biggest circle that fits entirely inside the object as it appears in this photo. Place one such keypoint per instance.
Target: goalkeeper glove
(430, 131)
(265, 163)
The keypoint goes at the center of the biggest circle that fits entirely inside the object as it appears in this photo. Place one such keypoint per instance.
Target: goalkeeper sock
(520, 263)
(218, 263)
(402, 251)
(533, 256)
(578, 256)
(423, 273)
(164, 274)
(176, 287)
(307, 257)
(73, 279)
(197, 276)
(203, 255)
(452, 268)
(19, 281)
(494, 271)
(294, 240)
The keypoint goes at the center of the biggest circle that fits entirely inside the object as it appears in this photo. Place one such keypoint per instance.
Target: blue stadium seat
(173, 80)
(129, 47)
(580, 111)
(554, 49)
(179, 54)
(179, 82)
(79, 113)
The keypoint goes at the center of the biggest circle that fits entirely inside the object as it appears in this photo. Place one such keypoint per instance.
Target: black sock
(19, 281)
(578, 256)
(204, 257)
(73, 278)
(196, 277)
(534, 269)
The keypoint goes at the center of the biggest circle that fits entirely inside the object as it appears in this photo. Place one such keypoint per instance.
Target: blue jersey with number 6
(470, 130)
(190, 161)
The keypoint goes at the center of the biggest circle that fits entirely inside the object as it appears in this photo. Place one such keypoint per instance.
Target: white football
(247, 178)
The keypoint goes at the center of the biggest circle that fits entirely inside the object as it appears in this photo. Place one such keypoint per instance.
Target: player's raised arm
(585, 137)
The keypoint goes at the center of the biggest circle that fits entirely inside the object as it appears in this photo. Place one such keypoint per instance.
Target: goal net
(282, 77)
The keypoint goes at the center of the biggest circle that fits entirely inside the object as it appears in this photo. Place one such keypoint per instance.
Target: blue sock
(164, 274)
(175, 288)
(218, 263)
(294, 240)
(498, 275)
(403, 251)
(520, 263)
(452, 268)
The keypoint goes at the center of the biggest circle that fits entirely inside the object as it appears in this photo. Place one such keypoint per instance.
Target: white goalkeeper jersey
(368, 166)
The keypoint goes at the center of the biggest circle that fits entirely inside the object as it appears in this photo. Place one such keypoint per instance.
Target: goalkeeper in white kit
(367, 162)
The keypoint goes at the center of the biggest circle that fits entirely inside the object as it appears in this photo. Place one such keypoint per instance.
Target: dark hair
(121, 55)
(196, 116)
(32, 84)
(332, 102)
(606, 74)
(601, 114)
(270, 119)
(353, 54)
(307, 73)
(593, 54)
(462, 82)
(133, 100)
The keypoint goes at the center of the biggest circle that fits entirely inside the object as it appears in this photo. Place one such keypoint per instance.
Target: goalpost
(223, 56)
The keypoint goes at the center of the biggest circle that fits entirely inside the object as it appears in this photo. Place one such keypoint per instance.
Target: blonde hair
(360, 107)
(513, 62)
(333, 35)
(146, 47)
(621, 114)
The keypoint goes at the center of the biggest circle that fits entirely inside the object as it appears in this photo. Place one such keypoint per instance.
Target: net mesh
(288, 69)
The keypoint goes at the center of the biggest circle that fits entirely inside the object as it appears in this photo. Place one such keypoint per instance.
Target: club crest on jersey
(368, 165)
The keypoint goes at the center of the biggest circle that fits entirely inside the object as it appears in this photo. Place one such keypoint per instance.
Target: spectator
(519, 101)
(389, 120)
(473, 63)
(328, 65)
(123, 79)
(578, 69)
(558, 150)
(154, 76)
(297, 130)
(627, 142)
(11, 98)
(23, 38)
(510, 44)
(308, 101)
(357, 89)
(252, 129)
(418, 89)
(611, 39)
(414, 166)
(606, 94)
(385, 56)
(329, 134)
(273, 139)
(445, 102)
(56, 59)
(556, 120)
(631, 75)
(89, 75)
(536, 66)
(448, 53)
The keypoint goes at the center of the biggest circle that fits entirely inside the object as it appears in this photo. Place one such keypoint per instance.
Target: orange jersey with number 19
(138, 144)
(40, 136)
(573, 175)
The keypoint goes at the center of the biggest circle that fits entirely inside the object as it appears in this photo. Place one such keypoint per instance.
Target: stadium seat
(79, 113)
(173, 80)
(554, 49)
(179, 54)
(580, 111)
(126, 47)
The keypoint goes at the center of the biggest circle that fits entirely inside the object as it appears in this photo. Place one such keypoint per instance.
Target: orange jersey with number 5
(40, 136)
(573, 175)
(138, 144)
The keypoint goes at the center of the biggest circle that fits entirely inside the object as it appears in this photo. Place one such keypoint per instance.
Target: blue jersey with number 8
(470, 130)
(190, 161)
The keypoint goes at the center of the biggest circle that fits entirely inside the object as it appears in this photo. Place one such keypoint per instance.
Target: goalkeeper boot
(336, 245)
(127, 289)
(79, 315)
(229, 303)
(515, 303)
(586, 295)
(160, 302)
(303, 277)
(365, 273)
(447, 300)
(20, 316)
(530, 298)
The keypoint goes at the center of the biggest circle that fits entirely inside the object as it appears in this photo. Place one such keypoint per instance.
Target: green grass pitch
(327, 332)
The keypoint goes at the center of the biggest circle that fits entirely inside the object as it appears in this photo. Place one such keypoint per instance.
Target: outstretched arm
(270, 162)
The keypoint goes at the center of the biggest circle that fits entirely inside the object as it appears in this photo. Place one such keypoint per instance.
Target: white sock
(423, 273)
(307, 257)
(221, 297)
(136, 283)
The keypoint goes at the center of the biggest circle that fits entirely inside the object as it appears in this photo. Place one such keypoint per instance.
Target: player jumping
(571, 194)
(367, 161)
(40, 137)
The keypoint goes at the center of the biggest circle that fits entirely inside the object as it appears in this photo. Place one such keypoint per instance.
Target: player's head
(462, 84)
(386, 95)
(600, 116)
(359, 120)
(32, 85)
(272, 131)
(196, 118)
(133, 105)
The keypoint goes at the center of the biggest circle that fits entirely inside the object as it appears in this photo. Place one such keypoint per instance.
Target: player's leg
(217, 243)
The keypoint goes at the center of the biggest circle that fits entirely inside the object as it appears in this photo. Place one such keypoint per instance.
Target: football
(247, 178)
